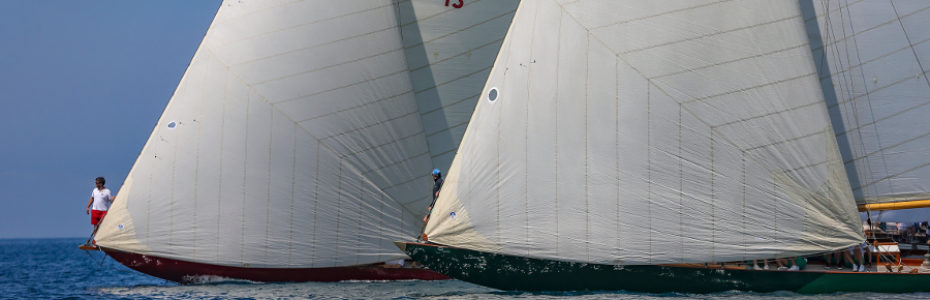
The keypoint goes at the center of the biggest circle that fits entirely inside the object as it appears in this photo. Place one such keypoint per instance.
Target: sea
(57, 269)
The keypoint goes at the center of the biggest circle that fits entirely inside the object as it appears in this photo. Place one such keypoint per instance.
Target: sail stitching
(715, 33)
(877, 58)
(646, 17)
(689, 70)
(852, 99)
(428, 65)
(252, 37)
(306, 97)
(855, 34)
(388, 53)
(357, 106)
(245, 181)
(423, 43)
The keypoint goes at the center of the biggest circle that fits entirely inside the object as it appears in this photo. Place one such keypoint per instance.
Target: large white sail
(873, 57)
(647, 132)
(450, 48)
(293, 140)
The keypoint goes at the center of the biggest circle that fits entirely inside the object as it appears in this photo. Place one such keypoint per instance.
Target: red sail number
(456, 5)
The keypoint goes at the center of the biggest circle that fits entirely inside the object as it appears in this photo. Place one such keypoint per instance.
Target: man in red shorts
(100, 200)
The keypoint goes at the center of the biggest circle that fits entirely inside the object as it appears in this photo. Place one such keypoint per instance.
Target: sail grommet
(172, 125)
(493, 94)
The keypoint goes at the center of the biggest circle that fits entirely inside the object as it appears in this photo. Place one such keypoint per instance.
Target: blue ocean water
(56, 269)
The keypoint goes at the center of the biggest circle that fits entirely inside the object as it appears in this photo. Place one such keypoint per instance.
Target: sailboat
(299, 141)
(659, 146)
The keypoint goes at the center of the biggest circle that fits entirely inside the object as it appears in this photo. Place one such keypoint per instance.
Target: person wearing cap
(437, 185)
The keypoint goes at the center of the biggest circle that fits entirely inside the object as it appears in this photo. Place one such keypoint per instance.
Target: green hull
(508, 272)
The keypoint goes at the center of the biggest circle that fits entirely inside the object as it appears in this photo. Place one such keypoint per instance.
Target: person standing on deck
(437, 185)
(100, 200)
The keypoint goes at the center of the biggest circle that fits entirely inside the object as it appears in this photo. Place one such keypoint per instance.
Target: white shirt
(102, 199)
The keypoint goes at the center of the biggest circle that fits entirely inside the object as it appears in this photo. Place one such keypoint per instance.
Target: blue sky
(82, 84)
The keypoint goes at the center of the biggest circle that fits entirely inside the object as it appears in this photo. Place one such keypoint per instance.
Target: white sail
(293, 140)
(450, 48)
(873, 57)
(647, 132)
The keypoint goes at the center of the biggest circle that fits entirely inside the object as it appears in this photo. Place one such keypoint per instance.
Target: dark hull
(527, 274)
(191, 272)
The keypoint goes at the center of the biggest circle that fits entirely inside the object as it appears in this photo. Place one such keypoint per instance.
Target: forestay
(293, 140)
(644, 132)
(873, 58)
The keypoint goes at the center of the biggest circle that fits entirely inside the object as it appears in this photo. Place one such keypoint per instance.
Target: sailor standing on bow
(100, 200)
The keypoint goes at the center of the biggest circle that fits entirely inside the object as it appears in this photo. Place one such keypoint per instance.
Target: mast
(646, 133)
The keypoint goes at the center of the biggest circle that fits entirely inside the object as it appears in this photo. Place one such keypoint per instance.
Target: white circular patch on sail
(492, 94)
(452, 215)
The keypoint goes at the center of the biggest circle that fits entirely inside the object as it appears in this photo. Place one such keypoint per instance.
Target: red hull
(188, 272)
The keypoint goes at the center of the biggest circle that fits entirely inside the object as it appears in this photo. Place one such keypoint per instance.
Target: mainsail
(873, 58)
(450, 53)
(294, 140)
(644, 132)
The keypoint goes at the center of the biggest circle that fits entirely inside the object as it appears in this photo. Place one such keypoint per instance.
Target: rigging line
(847, 80)
(908, 38)
(868, 97)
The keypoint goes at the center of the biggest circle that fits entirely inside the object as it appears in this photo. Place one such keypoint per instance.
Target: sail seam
(252, 37)
(369, 126)
(357, 106)
(650, 16)
(816, 103)
(715, 33)
(245, 181)
(526, 139)
(313, 94)
(875, 121)
(230, 19)
(429, 65)
(453, 125)
(396, 163)
(876, 90)
(453, 103)
(448, 11)
(290, 238)
(219, 190)
(855, 34)
(745, 89)
(587, 187)
(387, 53)
(689, 70)
(877, 58)
(488, 68)
(268, 185)
(888, 148)
(423, 43)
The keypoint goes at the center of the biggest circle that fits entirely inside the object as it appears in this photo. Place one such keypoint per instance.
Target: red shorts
(96, 215)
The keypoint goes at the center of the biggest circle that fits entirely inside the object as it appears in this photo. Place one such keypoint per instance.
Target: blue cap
(436, 172)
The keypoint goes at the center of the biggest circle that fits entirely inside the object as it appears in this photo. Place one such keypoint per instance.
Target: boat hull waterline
(507, 272)
(192, 272)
